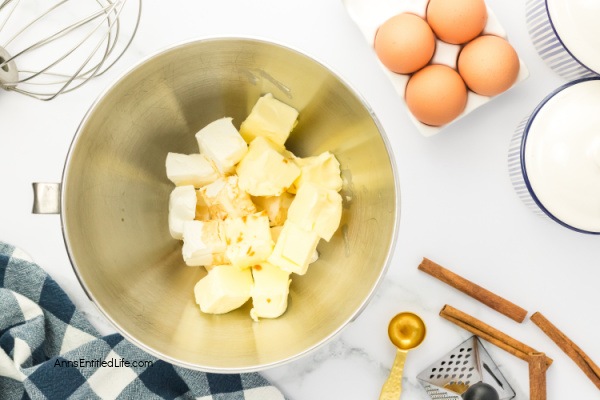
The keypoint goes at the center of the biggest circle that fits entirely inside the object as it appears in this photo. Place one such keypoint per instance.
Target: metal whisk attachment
(55, 46)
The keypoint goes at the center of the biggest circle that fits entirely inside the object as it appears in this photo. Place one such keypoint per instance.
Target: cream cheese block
(192, 169)
(182, 208)
(294, 248)
(269, 292)
(223, 289)
(316, 209)
(248, 239)
(222, 144)
(322, 170)
(269, 118)
(225, 199)
(203, 243)
(265, 171)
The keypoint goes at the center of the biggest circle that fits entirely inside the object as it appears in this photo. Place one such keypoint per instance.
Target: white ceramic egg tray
(370, 14)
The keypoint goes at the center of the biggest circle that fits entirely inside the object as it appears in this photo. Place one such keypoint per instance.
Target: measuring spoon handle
(392, 388)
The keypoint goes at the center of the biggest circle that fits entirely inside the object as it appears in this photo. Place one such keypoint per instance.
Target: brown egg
(457, 21)
(489, 65)
(404, 43)
(436, 95)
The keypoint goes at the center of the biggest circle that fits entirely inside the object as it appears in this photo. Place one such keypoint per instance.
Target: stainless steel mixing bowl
(115, 198)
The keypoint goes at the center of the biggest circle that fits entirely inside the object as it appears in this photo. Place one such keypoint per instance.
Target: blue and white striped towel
(48, 350)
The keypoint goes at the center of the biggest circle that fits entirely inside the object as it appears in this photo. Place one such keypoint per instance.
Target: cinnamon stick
(477, 292)
(571, 349)
(490, 334)
(537, 376)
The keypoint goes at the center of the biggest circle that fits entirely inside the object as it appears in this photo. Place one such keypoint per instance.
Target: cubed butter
(269, 292)
(276, 232)
(316, 209)
(269, 118)
(223, 289)
(225, 199)
(203, 243)
(294, 249)
(222, 144)
(192, 169)
(322, 170)
(248, 239)
(264, 171)
(182, 208)
(219, 260)
(276, 207)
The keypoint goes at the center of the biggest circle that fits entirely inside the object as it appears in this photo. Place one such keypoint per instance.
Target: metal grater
(465, 365)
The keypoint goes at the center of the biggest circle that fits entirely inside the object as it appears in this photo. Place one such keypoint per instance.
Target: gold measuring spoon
(406, 331)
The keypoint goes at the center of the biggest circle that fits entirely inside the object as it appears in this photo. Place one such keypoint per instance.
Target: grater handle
(392, 388)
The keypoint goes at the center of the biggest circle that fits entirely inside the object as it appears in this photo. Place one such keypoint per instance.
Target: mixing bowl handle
(46, 198)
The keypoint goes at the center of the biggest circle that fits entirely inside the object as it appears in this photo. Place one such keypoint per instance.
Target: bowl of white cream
(554, 156)
(566, 34)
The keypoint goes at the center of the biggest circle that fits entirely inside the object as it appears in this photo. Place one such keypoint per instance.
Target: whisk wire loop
(62, 33)
(93, 44)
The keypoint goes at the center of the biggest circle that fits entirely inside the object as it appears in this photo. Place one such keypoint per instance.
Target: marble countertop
(458, 205)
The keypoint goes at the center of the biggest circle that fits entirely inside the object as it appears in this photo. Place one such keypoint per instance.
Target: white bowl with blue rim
(566, 34)
(554, 156)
